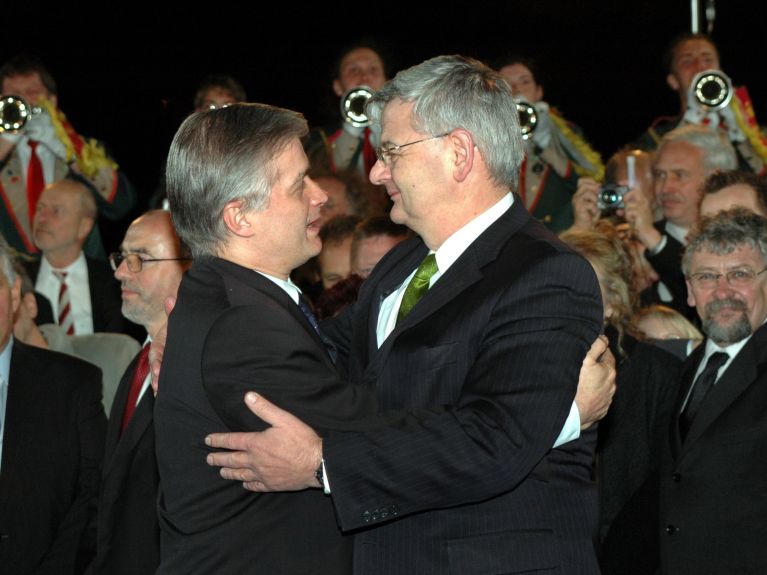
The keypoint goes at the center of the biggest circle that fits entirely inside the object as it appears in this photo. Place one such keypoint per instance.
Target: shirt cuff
(571, 429)
(325, 480)
(659, 248)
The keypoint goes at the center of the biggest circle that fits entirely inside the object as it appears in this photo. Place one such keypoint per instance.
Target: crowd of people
(440, 336)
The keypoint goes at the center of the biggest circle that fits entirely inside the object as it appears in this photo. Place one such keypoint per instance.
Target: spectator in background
(685, 158)
(217, 91)
(52, 427)
(556, 152)
(46, 150)
(726, 190)
(334, 259)
(630, 433)
(373, 238)
(687, 55)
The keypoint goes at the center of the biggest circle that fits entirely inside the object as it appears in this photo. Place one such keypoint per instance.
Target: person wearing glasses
(714, 464)
(478, 327)
(149, 266)
(84, 296)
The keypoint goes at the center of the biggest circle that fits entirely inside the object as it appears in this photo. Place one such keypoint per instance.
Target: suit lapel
(740, 375)
(465, 272)
(248, 279)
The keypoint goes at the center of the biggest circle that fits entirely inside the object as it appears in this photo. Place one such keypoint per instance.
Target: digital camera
(610, 197)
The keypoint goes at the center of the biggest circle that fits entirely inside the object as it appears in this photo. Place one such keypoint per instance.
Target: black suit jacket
(232, 330)
(52, 450)
(128, 533)
(668, 264)
(106, 302)
(631, 437)
(497, 342)
(713, 486)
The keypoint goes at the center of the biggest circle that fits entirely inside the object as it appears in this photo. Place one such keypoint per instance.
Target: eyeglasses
(385, 155)
(135, 262)
(736, 278)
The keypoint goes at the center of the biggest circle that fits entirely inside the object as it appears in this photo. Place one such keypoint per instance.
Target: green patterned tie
(418, 286)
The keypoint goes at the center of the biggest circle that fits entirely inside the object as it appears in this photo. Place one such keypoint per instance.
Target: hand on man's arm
(281, 458)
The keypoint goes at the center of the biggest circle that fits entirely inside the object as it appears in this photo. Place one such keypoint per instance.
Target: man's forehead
(742, 253)
(695, 46)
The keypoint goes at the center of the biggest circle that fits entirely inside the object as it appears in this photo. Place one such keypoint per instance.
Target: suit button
(366, 517)
(676, 478)
(670, 529)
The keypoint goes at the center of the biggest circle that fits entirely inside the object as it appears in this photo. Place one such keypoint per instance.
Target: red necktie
(139, 375)
(35, 179)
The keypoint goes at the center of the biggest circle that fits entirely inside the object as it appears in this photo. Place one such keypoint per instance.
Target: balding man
(84, 296)
(149, 266)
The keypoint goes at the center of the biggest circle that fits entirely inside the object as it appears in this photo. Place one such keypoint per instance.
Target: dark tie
(303, 303)
(35, 179)
(700, 388)
(418, 286)
(139, 375)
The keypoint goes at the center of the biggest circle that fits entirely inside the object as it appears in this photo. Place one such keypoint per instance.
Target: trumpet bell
(528, 118)
(353, 106)
(15, 113)
(712, 89)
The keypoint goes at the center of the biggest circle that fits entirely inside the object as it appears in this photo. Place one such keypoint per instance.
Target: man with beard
(714, 469)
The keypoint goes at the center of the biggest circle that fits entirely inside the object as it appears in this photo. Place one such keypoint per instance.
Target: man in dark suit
(241, 199)
(149, 266)
(493, 347)
(685, 158)
(51, 441)
(65, 215)
(714, 470)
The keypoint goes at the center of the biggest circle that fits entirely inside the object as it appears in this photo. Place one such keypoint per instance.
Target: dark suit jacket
(52, 450)
(497, 342)
(106, 302)
(630, 438)
(128, 533)
(713, 486)
(232, 330)
(668, 264)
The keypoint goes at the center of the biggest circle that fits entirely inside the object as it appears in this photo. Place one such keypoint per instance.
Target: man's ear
(464, 151)
(690, 296)
(237, 220)
(339, 91)
(672, 82)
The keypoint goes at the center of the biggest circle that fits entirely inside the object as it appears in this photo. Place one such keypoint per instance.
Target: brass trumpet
(15, 113)
(712, 89)
(353, 106)
(528, 118)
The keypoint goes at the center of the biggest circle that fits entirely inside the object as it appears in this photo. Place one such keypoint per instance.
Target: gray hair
(7, 260)
(718, 153)
(726, 231)
(451, 92)
(220, 156)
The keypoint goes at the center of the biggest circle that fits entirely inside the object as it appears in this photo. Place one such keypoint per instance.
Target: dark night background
(126, 73)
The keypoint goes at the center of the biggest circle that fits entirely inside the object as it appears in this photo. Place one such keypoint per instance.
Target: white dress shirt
(79, 291)
(446, 256)
(5, 371)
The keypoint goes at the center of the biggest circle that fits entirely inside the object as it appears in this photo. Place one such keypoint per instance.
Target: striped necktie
(65, 305)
